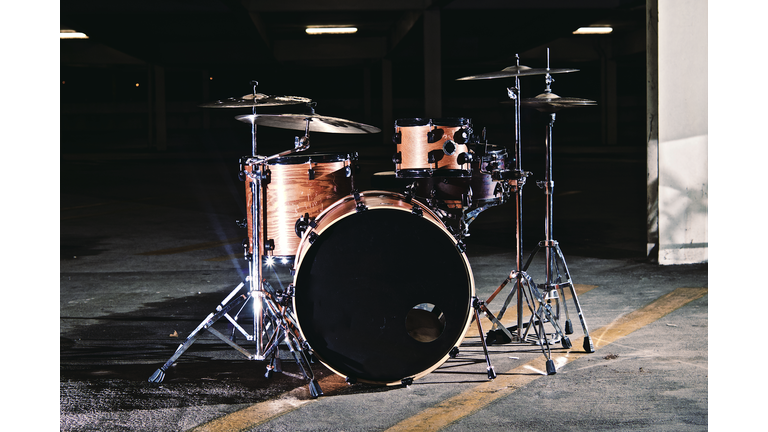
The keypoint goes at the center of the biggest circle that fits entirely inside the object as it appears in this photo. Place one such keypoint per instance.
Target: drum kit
(360, 302)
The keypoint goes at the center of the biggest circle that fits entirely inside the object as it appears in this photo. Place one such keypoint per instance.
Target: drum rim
(412, 122)
(417, 173)
(302, 251)
(442, 121)
(452, 121)
(302, 158)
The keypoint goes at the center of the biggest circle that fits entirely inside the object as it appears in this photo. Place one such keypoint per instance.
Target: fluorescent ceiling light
(313, 30)
(593, 30)
(71, 34)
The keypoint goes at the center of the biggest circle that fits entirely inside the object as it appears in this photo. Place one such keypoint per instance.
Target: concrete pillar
(678, 132)
(367, 94)
(433, 103)
(206, 94)
(608, 93)
(159, 108)
(387, 120)
(150, 106)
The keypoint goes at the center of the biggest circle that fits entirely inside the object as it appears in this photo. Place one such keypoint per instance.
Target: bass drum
(382, 291)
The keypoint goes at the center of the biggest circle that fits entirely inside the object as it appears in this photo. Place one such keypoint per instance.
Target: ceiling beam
(261, 28)
(402, 26)
(335, 5)
(355, 48)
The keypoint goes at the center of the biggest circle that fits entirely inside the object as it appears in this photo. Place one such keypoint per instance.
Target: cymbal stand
(524, 286)
(553, 254)
(273, 321)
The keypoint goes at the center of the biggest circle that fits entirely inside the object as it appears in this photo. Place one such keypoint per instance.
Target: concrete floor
(149, 246)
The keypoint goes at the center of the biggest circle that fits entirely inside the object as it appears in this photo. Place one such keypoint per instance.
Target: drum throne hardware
(550, 103)
(524, 289)
(274, 322)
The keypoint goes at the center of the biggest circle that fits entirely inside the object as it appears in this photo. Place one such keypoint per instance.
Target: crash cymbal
(317, 123)
(550, 102)
(251, 100)
(516, 71)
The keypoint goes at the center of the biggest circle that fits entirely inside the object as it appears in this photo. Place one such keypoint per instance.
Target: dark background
(143, 55)
(211, 50)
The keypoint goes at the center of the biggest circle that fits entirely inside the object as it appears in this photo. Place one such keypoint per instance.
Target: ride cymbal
(516, 71)
(317, 123)
(550, 102)
(254, 100)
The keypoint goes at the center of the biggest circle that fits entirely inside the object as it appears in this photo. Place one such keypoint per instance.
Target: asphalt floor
(149, 247)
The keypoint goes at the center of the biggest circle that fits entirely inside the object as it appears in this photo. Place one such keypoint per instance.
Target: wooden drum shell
(293, 192)
(413, 148)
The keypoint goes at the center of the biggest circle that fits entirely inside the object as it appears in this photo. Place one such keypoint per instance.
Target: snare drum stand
(273, 321)
(524, 286)
(553, 255)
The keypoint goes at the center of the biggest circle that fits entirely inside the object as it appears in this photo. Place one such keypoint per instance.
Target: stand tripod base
(588, 347)
(557, 281)
(500, 337)
(278, 329)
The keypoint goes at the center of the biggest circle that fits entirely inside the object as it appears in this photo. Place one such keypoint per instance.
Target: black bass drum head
(383, 295)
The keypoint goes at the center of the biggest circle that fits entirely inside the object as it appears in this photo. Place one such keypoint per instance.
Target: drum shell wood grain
(291, 193)
(414, 149)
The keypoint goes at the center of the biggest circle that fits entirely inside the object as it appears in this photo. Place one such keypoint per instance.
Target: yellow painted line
(252, 416)
(471, 401)
(262, 412)
(192, 247)
(510, 315)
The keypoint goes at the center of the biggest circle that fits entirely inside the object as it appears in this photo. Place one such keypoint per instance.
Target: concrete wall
(677, 131)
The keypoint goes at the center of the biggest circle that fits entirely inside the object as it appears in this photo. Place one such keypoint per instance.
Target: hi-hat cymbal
(550, 102)
(317, 123)
(254, 100)
(516, 71)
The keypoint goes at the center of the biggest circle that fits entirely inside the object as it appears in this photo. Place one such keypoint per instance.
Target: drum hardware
(550, 103)
(274, 322)
(524, 288)
(478, 306)
(302, 224)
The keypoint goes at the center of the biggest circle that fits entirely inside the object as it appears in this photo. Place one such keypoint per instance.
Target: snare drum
(427, 148)
(296, 185)
(382, 291)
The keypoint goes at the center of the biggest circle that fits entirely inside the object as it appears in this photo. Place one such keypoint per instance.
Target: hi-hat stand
(273, 320)
(550, 103)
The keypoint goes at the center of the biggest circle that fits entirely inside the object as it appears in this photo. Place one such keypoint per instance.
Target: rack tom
(427, 148)
(478, 190)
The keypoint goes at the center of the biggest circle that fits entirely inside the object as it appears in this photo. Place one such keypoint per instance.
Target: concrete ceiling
(269, 32)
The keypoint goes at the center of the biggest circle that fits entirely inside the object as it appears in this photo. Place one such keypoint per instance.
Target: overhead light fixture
(71, 34)
(593, 30)
(337, 29)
